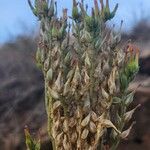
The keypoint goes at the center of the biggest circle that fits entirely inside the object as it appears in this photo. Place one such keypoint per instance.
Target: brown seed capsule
(54, 94)
(87, 104)
(125, 133)
(54, 132)
(56, 105)
(78, 113)
(128, 115)
(86, 78)
(108, 124)
(65, 143)
(70, 74)
(87, 60)
(104, 94)
(74, 137)
(94, 116)
(65, 126)
(90, 148)
(59, 138)
(86, 120)
(111, 81)
(92, 127)
(76, 78)
(58, 83)
(67, 84)
(106, 68)
(56, 64)
(56, 125)
(66, 88)
(72, 122)
(84, 134)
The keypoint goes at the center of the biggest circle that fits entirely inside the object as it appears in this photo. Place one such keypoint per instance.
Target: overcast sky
(16, 16)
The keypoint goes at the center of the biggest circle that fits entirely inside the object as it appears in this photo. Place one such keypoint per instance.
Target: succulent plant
(87, 76)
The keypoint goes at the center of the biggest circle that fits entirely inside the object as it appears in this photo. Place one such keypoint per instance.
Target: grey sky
(15, 14)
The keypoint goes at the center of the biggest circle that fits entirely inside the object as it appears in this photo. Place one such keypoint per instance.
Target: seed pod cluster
(86, 75)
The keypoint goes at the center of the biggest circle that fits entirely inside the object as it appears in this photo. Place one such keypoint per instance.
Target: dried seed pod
(108, 124)
(111, 81)
(54, 51)
(86, 78)
(92, 127)
(84, 134)
(87, 103)
(94, 116)
(125, 133)
(59, 138)
(58, 83)
(78, 113)
(128, 115)
(66, 143)
(76, 79)
(54, 132)
(105, 94)
(56, 105)
(106, 68)
(56, 64)
(72, 122)
(90, 148)
(74, 137)
(65, 126)
(49, 74)
(87, 60)
(98, 70)
(66, 87)
(54, 94)
(83, 37)
(70, 74)
(56, 125)
(86, 120)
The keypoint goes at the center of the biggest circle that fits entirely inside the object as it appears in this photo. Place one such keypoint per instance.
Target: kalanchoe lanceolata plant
(86, 76)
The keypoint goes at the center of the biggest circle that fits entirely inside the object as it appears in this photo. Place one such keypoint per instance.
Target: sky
(16, 17)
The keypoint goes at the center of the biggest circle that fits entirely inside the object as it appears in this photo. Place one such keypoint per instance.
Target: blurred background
(21, 83)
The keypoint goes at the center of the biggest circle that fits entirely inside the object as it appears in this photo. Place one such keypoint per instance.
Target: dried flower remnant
(86, 76)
